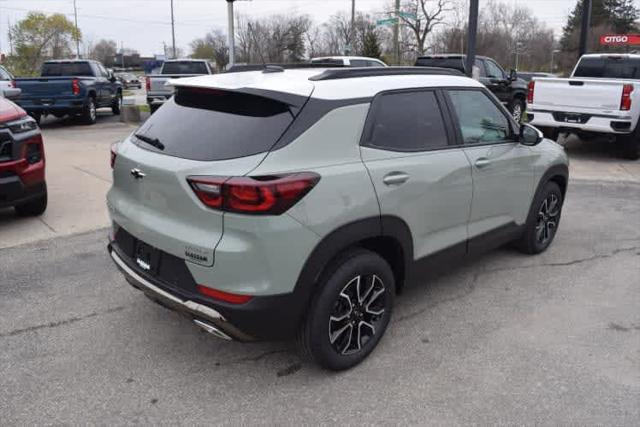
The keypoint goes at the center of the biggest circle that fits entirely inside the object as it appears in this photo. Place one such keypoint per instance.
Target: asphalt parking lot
(551, 339)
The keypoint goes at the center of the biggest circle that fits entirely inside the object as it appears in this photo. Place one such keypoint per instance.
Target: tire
(35, 207)
(327, 334)
(517, 108)
(630, 146)
(116, 106)
(543, 220)
(89, 114)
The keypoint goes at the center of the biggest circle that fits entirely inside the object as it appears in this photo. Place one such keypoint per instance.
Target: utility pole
(396, 33)
(10, 38)
(471, 37)
(75, 14)
(352, 39)
(586, 25)
(173, 32)
(231, 30)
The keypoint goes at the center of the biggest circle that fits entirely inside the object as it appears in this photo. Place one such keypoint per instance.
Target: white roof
(296, 82)
(600, 55)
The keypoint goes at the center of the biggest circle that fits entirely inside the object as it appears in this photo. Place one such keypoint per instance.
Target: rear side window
(57, 69)
(614, 67)
(215, 125)
(331, 61)
(407, 121)
(184, 67)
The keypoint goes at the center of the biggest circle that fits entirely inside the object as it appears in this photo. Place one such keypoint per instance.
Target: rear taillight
(114, 154)
(530, 89)
(75, 86)
(625, 99)
(270, 195)
(33, 151)
(147, 83)
(223, 296)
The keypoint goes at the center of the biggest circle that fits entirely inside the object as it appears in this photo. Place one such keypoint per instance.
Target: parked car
(70, 87)
(527, 76)
(350, 61)
(507, 87)
(602, 97)
(129, 80)
(6, 79)
(22, 162)
(272, 204)
(158, 91)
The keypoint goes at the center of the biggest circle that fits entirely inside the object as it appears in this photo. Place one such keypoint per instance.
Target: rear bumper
(61, 106)
(157, 99)
(262, 318)
(597, 123)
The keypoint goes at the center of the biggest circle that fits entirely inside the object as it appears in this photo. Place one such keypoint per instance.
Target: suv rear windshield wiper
(151, 141)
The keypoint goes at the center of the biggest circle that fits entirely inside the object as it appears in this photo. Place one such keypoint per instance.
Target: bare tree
(427, 15)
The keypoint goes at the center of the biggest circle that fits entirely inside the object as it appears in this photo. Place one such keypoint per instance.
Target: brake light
(75, 86)
(223, 296)
(147, 83)
(270, 195)
(114, 154)
(625, 99)
(530, 89)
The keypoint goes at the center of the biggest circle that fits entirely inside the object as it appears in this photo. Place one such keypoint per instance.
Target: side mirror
(513, 75)
(530, 135)
(12, 93)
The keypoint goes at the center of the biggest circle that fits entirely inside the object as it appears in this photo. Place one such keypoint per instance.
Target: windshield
(57, 69)
(184, 67)
(612, 67)
(214, 125)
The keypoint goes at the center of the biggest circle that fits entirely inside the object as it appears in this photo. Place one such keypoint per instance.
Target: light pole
(353, 27)
(173, 32)
(553, 52)
(232, 49)
(75, 15)
(585, 27)
(396, 32)
(471, 37)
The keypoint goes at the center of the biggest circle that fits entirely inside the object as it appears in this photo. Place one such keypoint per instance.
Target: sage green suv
(296, 202)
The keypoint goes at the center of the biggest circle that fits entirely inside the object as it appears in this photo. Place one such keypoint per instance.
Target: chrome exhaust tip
(209, 328)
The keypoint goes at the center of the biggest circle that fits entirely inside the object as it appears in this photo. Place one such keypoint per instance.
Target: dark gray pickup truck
(70, 87)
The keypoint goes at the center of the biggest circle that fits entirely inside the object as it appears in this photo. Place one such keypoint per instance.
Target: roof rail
(347, 73)
(271, 67)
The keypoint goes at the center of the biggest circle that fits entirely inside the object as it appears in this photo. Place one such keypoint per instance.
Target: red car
(22, 163)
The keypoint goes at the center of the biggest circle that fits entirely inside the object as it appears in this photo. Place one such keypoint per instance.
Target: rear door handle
(482, 162)
(395, 178)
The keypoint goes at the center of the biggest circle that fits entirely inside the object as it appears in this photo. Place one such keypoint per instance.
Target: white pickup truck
(158, 91)
(602, 96)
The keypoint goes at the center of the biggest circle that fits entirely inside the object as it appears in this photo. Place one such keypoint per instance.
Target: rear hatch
(199, 132)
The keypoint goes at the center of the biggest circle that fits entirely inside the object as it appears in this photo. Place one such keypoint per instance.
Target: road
(509, 339)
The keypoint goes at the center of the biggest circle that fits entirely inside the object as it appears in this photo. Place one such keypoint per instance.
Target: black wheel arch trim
(347, 236)
(561, 171)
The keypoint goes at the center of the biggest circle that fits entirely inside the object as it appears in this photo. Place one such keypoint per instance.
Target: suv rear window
(57, 69)
(206, 125)
(184, 67)
(613, 67)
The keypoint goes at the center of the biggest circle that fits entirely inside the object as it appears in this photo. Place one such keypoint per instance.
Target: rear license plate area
(146, 257)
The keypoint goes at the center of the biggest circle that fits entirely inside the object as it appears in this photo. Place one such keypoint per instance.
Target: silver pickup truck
(158, 91)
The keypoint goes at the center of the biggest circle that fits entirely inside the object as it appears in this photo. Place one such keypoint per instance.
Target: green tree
(371, 45)
(212, 46)
(607, 16)
(39, 37)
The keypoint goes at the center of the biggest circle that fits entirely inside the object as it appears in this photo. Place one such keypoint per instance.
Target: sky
(145, 24)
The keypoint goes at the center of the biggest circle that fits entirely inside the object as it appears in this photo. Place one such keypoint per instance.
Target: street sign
(408, 15)
(387, 21)
(620, 40)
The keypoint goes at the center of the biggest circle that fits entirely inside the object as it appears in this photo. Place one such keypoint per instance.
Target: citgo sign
(620, 39)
